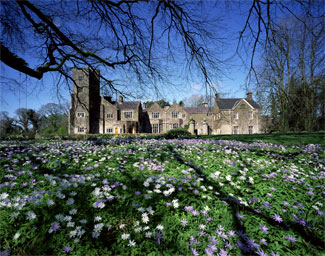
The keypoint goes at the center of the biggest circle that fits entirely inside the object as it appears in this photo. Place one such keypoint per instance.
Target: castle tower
(85, 102)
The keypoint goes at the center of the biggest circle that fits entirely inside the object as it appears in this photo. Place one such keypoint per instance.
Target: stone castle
(90, 113)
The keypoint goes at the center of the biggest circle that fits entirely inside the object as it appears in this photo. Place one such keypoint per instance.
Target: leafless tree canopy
(140, 37)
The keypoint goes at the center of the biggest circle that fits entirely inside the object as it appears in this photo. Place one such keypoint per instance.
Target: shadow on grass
(235, 205)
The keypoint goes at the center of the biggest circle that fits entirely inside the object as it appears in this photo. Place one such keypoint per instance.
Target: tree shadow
(236, 205)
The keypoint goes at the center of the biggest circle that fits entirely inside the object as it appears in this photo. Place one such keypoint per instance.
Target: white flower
(70, 224)
(160, 227)
(96, 192)
(83, 221)
(202, 227)
(30, 215)
(3, 196)
(141, 209)
(122, 226)
(228, 177)
(98, 218)
(67, 218)
(175, 203)
(73, 233)
(70, 201)
(95, 234)
(138, 229)
(73, 211)
(14, 215)
(98, 227)
(131, 243)
(145, 218)
(148, 234)
(16, 236)
(125, 236)
(50, 202)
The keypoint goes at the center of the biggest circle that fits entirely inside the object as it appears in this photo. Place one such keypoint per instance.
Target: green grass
(287, 139)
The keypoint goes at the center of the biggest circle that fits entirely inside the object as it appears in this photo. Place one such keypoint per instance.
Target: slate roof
(127, 105)
(229, 103)
(198, 110)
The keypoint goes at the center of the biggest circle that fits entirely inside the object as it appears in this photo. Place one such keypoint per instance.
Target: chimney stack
(121, 98)
(205, 104)
(217, 97)
(249, 96)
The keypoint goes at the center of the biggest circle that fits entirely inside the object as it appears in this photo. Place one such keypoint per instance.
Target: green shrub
(177, 133)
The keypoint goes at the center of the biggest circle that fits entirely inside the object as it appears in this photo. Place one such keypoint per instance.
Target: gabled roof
(198, 110)
(229, 103)
(127, 105)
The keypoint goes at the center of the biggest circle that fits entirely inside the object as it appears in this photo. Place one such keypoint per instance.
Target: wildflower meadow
(161, 197)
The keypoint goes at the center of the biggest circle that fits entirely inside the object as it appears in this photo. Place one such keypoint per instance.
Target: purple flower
(223, 252)
(159, 235)
(194, 252)
(66, 249)
(277, 218)
(239, 216)
(274, 254)
(55, 226)
(292, 239)
(264, 228)
(188, 208)
(261, 253)
(263, 241)
(184, 222)
(208, 252)
(320, 212)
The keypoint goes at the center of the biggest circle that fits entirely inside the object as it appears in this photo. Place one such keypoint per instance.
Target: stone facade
(90, 113)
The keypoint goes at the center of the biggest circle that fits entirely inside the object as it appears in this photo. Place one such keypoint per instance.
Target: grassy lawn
(287, 139)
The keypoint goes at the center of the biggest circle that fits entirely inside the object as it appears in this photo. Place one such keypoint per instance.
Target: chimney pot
(249, 96)
(217, 97)
(205, 104)
(121, 98)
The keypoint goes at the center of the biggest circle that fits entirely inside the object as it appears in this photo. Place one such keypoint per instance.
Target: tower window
(81, 114)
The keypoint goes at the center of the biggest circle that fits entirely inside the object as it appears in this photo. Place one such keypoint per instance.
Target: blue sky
(31, 93)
